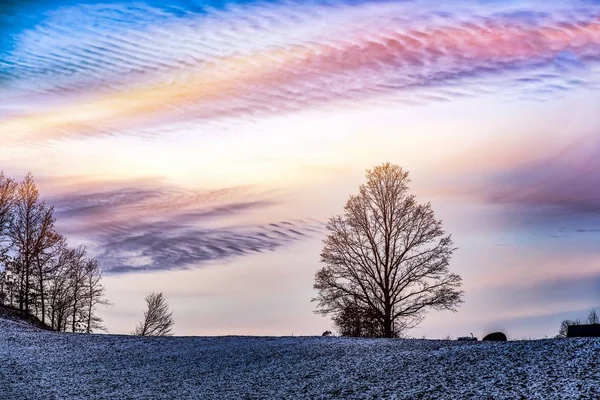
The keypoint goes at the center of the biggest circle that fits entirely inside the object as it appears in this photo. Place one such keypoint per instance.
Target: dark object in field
(326, 333)
(467, 338)
(495, 337)
(585, 330)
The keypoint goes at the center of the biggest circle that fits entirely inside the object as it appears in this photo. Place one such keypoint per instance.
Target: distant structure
(584, 330)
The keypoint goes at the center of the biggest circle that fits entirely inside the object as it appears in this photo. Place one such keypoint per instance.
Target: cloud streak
(137, 229)
(168, 246)
(129, 67)
(548, 191)
(564, 180)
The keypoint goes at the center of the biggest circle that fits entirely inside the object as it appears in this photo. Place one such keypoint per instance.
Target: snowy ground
(44, 365)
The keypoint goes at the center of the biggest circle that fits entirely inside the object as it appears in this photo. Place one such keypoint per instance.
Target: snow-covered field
(44, 365)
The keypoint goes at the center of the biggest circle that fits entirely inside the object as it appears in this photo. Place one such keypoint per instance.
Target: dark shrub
(495, 337)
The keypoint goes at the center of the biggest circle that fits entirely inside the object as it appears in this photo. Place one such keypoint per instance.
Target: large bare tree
(7, 202)
(158, 320)
(32, 233)
(387, 255)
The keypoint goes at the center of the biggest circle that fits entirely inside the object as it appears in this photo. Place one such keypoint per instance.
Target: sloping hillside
(14, 314)
(38, 364)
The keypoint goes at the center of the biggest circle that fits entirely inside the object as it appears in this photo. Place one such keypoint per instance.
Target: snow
(37, 364)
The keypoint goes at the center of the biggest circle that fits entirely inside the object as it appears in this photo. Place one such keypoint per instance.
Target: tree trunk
(21, 285)
(75, 300)
(52, 317)
(42, 298)
(89, 318)
(74, 311)
(27, 289)
(388, 330)
(59, 320)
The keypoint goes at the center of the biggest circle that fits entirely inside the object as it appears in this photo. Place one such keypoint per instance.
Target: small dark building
(587, 330)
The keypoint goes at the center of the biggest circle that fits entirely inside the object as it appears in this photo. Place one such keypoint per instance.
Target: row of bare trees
(39, 273)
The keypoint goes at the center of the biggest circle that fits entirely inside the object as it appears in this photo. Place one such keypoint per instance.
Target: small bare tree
(387, 255)
(564, 327)
(94, 293)
(593, 317)
(158, 320)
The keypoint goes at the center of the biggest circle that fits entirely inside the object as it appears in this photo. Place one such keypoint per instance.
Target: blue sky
(198, 148)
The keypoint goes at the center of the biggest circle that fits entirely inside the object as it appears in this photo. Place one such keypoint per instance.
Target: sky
(198, 148)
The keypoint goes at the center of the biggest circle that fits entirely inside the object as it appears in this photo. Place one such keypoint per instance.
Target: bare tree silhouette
(7, 201)
(387, 255)
(38, 271)
(158, 320)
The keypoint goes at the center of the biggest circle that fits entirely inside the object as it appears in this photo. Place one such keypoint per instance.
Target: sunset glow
(198, 148)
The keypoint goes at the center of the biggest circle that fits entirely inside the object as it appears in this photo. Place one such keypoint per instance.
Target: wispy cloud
(566, 181)
(166, 246)
(545, 296)
(551, 189)
(119, 67)
(135, 229)
(562, 179)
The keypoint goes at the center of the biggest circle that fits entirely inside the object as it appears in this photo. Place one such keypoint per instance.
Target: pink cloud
(348, 60)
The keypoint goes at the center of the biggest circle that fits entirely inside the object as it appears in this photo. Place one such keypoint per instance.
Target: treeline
(564, 326)
(39, 273)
